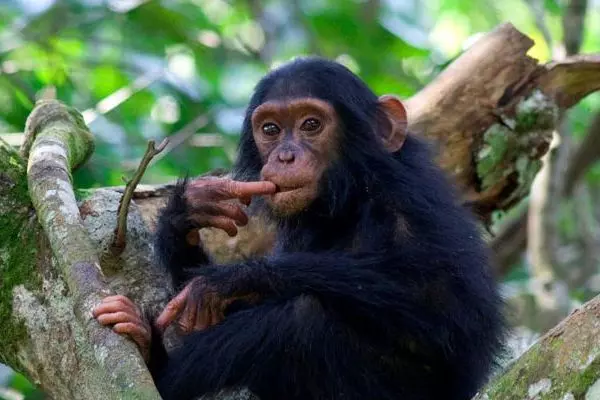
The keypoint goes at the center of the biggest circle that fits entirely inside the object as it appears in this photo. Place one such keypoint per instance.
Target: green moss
(537, 112)
(18, 247)
(82, 143)
(582, 381)
(527, 169)
(513, 147)
(83, 194)
(545, 362)
(492, 155)
(515, 383)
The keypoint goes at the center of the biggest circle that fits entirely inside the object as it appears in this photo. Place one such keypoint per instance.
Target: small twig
(120, 232)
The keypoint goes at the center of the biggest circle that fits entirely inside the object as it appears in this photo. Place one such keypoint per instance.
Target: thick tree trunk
(491, 113)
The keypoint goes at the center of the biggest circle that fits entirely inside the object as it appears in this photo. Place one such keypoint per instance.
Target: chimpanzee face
(297, 140)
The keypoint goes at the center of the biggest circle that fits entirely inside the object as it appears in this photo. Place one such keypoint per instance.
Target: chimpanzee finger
(172, 310)
(198, 220)
(234, 212)
(138, 333)
(201, 322)
(118, 317)
(111, 308)
(114, 304)
(120, 299)
(216, 316)
(226, 189)
(239, 189)
(224, 223)
(187, 320)
(229, 210)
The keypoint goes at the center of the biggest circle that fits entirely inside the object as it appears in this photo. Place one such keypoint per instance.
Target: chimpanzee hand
(198, 306)
(207, 207)
(126, 318)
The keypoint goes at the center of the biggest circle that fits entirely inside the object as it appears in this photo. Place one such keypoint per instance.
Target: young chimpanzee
(378, 286)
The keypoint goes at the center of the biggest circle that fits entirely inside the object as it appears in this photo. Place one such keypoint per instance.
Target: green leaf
(553, 7)
(106, 79)
(68, 47)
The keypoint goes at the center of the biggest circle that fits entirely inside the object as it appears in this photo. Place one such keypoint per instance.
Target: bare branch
(119, 242)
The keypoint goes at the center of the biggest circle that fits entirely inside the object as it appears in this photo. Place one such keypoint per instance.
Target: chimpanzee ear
(394, 132)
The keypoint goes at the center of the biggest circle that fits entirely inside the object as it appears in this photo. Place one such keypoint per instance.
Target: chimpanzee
(378, 286)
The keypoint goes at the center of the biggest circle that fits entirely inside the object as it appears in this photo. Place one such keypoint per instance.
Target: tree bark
(511, 240)
(490, 113)
(564, 364)
(50, 286)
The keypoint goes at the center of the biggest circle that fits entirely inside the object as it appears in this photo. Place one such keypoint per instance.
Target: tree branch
(60, 142)
(563, 364)
(119, 243)
(511, 240)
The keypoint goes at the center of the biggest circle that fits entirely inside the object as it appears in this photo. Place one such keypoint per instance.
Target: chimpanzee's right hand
(125, 318)
(208, 205)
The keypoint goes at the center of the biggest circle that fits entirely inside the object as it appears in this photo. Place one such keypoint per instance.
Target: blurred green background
(184, 69)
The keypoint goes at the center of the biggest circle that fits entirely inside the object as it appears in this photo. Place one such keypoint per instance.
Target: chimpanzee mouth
(288, 186)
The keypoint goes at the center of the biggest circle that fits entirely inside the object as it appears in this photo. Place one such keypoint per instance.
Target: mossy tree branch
(101, 364)
(564, 364)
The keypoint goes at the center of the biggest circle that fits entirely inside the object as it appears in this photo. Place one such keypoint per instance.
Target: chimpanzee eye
(310, 125)
(270, 129)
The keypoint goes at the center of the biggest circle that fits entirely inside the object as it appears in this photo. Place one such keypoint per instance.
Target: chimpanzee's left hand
(198, 306)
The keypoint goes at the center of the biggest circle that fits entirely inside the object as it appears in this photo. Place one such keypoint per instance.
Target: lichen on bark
(18, 231)
(565, 362)
(511, 148)
(58, 332)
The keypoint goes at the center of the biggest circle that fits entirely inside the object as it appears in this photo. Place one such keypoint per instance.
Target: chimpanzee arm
(290, 350)
(357, 302)
(172, 249)
(362, 287)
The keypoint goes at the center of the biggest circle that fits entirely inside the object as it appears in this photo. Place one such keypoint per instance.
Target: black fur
(354, 306)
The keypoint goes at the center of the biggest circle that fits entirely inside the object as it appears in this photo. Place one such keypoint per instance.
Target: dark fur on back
(381, 289)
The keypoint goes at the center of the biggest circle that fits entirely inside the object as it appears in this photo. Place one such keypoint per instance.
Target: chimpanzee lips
(288, 186)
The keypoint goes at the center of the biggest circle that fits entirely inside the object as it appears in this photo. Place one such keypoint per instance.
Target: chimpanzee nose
(286, 156)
